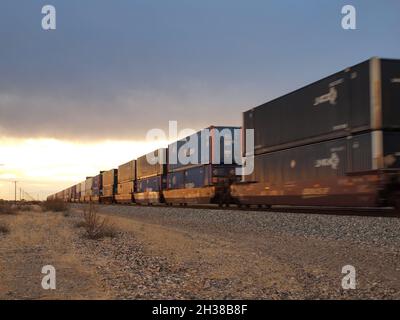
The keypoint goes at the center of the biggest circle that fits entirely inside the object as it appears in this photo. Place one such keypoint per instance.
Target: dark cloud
(117, 69)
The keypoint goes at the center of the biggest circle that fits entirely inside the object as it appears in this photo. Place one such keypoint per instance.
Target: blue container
(156, 183)
(197, 177)
(197, 150)
(176, 180)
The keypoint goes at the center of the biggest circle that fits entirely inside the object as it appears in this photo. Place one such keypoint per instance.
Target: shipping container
(212, 145)
(110, 184)
(156, 166)
(78, 193)
(110, 177)
(88, 188)
(97, 185)
(73, 193)
(342, 171)
(127, 171)
(155, 183)
(82, 199)
(125, 192)
(204, 184)
(198, 177)
(361, 98)
(149, 190)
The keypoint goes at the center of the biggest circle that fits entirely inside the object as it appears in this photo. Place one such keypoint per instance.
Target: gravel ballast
(219, 254)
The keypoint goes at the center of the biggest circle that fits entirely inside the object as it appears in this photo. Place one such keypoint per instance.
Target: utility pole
(15, 191)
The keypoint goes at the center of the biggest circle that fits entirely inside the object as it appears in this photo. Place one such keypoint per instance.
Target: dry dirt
(155, 257)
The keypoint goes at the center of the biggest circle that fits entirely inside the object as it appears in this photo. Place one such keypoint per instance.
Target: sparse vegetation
(55, 206)
(24, 207)
(7, 208)
(67, 213)
(96, 227)
(80, 224)
(4, 228)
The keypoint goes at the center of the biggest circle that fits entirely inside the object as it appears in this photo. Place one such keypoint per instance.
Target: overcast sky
(82, 97)
(114, 69)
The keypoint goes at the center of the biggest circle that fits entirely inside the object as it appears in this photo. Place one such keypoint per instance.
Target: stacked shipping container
(110, 183)
(126, 182)
(151, 177)
(201, 164)
(339, 126)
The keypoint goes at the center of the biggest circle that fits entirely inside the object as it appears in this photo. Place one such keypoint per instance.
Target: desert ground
(184, 253)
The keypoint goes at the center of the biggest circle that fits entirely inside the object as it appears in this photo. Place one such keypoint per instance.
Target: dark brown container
(375, 150)
(361, 98)
(146, 169)
(127, 171)
(359, 170)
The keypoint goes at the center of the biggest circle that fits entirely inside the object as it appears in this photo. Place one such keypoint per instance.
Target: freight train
(335, 142)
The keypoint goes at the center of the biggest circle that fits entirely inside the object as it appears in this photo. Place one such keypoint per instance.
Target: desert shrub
(24, 207)
(55, 205)
(7, 208)
(4, 228)
(80, 224)
(95, 226)
(66, 213)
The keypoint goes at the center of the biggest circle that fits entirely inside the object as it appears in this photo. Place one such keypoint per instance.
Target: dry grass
(4, 228)
(55, 206)
(95, 226)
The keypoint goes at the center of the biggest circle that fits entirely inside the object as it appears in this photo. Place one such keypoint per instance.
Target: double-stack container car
(202, 166)
(126, 182)
(334, 142)
(151, 177)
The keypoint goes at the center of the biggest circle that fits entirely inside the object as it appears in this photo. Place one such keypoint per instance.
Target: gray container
(376, 150)
(361, 98)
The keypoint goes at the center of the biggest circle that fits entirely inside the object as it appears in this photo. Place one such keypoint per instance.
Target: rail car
(360, 170)
(206, 174)
(335, 142)
(349, 154)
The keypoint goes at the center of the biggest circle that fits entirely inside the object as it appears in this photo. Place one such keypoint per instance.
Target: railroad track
(341, 211)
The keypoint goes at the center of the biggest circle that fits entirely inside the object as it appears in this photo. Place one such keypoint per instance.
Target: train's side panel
(126, 182)
(361, 98)
(125, 192)
(110, 182)
(343, 172)
(150, 190)
(390, 73)
(202, 184)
